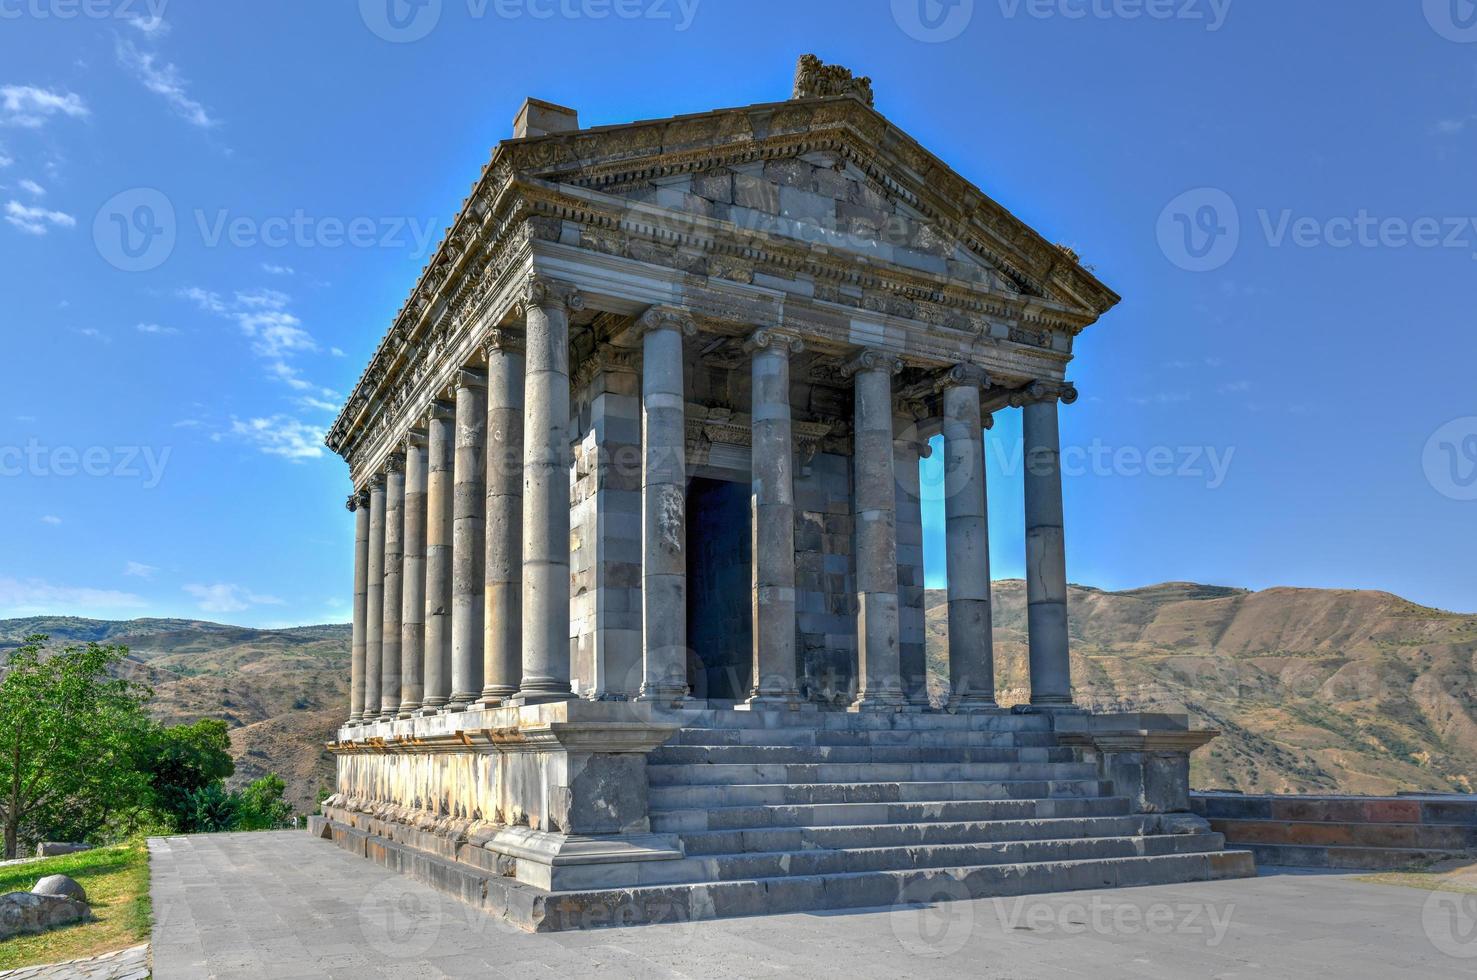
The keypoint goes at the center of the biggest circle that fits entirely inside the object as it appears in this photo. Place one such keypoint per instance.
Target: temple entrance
(719, 603)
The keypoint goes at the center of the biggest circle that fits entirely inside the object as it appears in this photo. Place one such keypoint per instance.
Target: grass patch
(1455, 875)
(117, 883)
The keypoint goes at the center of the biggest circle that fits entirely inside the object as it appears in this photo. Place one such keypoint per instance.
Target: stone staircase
(826, 811)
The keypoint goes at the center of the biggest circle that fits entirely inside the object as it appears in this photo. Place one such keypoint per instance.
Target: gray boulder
(61, 886)
(26, 912)
(51, 848)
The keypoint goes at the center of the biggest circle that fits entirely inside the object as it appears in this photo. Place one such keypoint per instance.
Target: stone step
(879, 889)
(827, 737)
(857, 814)
(865, 772)
(993, 721)
(686, 796)
(1349, 858)
(809, 754)
(907, 834)
(832, 861)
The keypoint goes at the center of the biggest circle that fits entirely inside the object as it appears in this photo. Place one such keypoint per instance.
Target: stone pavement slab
(124, 964)
(283, 904)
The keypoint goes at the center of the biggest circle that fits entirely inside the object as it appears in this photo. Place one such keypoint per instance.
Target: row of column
(462, 562)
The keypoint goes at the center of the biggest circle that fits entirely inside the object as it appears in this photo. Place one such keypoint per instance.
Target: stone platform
(1349, 832)
(579, 814)
(280, 904)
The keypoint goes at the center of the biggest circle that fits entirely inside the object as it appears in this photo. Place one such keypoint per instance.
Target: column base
(523, 698)
(461, 702)
(431, 708)
(671, 696)
(775, 702)
(1048, 708)
(972, 702)
(889, 701)
(495, 697)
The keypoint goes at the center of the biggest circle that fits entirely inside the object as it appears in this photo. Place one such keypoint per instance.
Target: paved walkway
(125, 964)
(284, 904)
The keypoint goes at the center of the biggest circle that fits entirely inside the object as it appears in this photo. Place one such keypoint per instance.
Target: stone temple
(638, 602)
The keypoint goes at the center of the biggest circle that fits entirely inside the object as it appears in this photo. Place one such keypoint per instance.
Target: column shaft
(413, 580)
(468, 546)
(440, 442)
(545, 605)
(502, 644)
(967, 538)
(359, 504)
(663, 510)
(374, 610)
(772, 522)
(1046, 560)
(875, 504)
(394, 553)
(908, 448)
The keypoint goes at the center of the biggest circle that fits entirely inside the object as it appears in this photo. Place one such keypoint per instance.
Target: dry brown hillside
(1314, 689)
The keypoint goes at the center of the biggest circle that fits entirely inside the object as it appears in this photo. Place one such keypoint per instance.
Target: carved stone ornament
(395, 462)
(765, 337)
(1040, 391)
(502, 340)
(546, 293)
(814, 79)
(961, 375)
(666, 318)
(872, 360)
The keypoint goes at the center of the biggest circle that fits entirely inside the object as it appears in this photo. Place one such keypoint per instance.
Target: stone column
(359, 504)
(879, 671)
(545, 604)
(772, 520)
(909, 446)
(374, 609)
(394, 553)
(1046, 559)
(470, 500)
(413, 580)
(440, 442)
(663, 506)
(967, 538)
(502, 618)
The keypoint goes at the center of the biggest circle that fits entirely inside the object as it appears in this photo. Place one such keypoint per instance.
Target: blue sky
(1281, 190)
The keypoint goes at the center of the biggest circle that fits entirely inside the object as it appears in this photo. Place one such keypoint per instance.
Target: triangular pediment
(828, 172)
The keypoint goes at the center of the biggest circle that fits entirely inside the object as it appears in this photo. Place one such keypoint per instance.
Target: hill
(1316, 690)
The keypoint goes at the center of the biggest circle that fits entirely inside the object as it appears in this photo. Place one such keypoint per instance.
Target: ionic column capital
(414, 438)
(357, 499)
(768, 338)
(377, 482)
(962, 376)
(395, 462)
(1043, 391)
(546, 293)
(665, 318)
(873, 360)
(441, 409)
(468, 378)
(502, 340)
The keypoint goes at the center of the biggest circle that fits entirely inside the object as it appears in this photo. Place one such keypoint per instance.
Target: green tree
(211, 810)
(69, 733)
(262, 805)
(181, 760)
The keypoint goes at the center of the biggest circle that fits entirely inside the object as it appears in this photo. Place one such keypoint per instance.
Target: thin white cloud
(204, 298)
(5, 161)
(226, 597)
(1453, 127)
(137, 569)
(282, 435)
(155, 328)
(50, 519)
(30, 107)
(276, 334)
(164, 80)
(29, 597)
(277, 270)
(322, 405)
(336, 351)
(93, 333)
(151, 25)
(31, 187)
(36, 221)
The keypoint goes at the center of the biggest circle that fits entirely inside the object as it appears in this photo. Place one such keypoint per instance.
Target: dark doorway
(719, 630)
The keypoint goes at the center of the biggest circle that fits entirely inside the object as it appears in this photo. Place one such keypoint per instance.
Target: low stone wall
(1343, 832)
